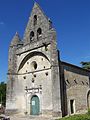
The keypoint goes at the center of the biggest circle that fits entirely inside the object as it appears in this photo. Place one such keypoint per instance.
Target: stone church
(39, 83)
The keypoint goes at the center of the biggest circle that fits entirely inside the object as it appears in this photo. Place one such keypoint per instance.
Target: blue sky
(71, 19)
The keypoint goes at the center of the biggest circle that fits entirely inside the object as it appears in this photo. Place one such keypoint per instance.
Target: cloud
(1, 23)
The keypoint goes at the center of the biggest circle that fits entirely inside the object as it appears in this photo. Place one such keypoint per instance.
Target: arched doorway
(35, 105)
(88, 99)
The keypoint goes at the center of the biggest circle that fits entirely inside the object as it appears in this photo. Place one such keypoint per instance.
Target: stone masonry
(39, 83)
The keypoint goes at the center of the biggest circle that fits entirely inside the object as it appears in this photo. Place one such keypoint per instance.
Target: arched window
(39, 32)
(31, 35)
(35, 19)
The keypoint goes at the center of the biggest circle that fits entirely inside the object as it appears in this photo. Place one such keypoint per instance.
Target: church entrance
(35, 105)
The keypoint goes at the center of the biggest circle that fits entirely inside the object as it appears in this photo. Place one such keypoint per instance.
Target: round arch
(27, 57)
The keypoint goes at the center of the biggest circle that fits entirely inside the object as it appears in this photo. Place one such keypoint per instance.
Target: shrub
(77, 117)
(89, 111)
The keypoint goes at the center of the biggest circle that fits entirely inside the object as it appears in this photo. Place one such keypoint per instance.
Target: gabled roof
(74, 66)
(36, 5)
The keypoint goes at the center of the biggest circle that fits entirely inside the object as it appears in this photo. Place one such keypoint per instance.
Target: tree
(85, 65)
(3, 93)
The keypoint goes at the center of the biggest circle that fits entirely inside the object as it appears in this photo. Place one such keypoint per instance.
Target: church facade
(39, 83)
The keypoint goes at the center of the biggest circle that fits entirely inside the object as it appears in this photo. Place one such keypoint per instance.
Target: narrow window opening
(39, 33)
(82, 82)
(35, 66)
(31, 35)
(72, 106)
(75, 81)
(35, 20)
(68, 81)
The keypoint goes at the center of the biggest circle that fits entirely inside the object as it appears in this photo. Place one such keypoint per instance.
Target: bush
(88, 111)
(77, 117)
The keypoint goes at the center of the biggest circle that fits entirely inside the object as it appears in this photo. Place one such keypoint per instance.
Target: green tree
(3, 93)
(85, 65)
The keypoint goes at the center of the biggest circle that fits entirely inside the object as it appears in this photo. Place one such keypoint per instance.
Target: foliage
(88, 111)
(77, 117)
(85, 65)
(3, 93)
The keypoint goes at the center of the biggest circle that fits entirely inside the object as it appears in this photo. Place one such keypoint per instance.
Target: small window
(31, 35)
(24, 77)
(35, 20)
(32, 80)
(75, 81)
(46, 73)
(67, 81)
(34, 75)
(82, 82)
(39, 33)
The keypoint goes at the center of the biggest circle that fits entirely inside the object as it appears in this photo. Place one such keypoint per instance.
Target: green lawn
(77, 117)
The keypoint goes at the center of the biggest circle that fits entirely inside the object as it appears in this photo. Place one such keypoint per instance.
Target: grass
(77, 117)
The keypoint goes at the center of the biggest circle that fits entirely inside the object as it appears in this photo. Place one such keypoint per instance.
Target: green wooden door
(35, 108)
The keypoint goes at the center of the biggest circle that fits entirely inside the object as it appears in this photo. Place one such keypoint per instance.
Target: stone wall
(75, 83)
(35, 69)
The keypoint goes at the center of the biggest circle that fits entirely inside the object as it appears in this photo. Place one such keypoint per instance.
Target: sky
(71, 19)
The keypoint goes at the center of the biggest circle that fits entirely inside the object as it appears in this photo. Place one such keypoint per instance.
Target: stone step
(30, 118)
